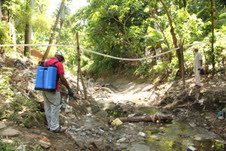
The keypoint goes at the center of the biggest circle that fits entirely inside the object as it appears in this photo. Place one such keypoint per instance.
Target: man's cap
(59, 53)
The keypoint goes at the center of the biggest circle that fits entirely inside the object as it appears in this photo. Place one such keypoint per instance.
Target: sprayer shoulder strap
(53, 64)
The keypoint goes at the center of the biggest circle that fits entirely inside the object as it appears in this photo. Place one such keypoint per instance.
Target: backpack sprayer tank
(46, 78)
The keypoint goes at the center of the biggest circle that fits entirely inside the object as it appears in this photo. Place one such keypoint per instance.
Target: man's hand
(70, 92)
(201, 71)
(41, 63)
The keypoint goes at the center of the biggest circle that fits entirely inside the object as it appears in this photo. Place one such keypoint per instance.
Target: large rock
(10, 132)
(2, 125)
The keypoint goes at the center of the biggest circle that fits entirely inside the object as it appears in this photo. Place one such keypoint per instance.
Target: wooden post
(182, 63)
(213, 16)
(79, 67)
(78, 62)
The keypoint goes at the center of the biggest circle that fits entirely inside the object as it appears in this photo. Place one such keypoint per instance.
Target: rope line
(17, 45)
(101, 54)
(129, 59)
(138, 59)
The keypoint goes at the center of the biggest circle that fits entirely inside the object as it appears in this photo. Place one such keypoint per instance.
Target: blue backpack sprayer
(46, 78)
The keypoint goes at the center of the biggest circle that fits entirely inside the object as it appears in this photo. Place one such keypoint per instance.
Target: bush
(4, 33)
(7, 147)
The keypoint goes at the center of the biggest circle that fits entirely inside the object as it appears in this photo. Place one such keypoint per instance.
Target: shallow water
(179, 136)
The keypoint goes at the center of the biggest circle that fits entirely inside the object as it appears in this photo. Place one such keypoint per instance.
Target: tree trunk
(27, 38)
(0, 10)
(28, 30)
(173, 35)
(61, 25)
(52, 36)
(169, 56)
(213, 8)
(62, 18)
(182, 63)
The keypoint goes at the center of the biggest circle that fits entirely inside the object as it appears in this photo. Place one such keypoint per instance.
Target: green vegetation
(119, 28)
(7, 147)
(134, 28)
(5, 82)
(14, 146)
(4, 33)
(115, 112)
(26, 112)
(128, 29)
(17, 107)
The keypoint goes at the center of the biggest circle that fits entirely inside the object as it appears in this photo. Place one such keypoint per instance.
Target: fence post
(79, 73)
(182, 63)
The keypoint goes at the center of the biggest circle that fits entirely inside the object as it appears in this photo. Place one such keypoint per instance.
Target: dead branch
(157, 118)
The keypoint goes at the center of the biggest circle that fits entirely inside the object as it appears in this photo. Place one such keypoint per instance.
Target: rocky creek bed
(190, 128)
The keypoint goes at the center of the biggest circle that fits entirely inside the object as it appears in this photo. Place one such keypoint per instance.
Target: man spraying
(52, 100)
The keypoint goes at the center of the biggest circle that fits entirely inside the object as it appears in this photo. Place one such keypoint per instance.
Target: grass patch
(15, 146)
(22, 110)
(7, 146)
